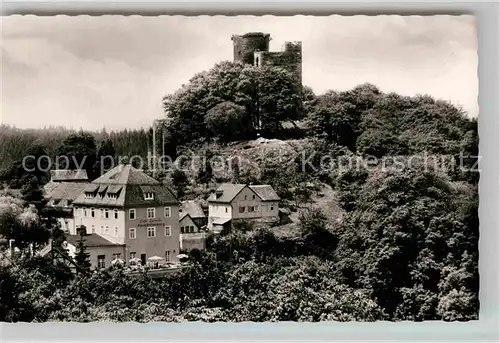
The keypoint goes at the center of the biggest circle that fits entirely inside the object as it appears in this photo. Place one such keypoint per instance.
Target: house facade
(192, 225)
(62, 190)
(102, 251)
(232, 202)
(129, 208)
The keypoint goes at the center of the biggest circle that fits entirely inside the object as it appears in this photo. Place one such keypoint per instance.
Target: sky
(113, 71)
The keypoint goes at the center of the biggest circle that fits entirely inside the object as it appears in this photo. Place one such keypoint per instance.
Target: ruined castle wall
(290, 58)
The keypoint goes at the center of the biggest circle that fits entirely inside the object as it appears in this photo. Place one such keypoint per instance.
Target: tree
(205, 173)
(268, 95)
(106, 155)
(402, 125)
(408, 230)
(22, 223)
(82, 257)
(227, 121)
(81, 151)
(32, 192)
(180, 181)
(34, 164)
(337, 116)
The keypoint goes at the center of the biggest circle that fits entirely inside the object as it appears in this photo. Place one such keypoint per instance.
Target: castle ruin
(250, 48)
(253, 48)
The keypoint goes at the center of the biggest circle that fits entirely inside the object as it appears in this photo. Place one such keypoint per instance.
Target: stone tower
(245, 45)
(253, 48)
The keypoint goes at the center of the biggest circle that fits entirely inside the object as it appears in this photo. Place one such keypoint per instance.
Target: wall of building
(218, 211)
(67, 225)
(270, 209)
(192, 241)
(246, 198)
(111, 228)
(187, 222)
(153, 246)
(94, 252)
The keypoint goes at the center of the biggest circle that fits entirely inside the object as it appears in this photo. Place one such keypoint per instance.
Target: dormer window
(89, 195)
(149, 196)
(112, 196)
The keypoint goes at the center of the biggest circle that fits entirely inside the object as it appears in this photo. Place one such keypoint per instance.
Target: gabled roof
(68, 175)
(67, 191)
(229, 192)
(126, 186)
(193, 208)
(186, 215)
(265, 192)
(91, 240)
(126, 175)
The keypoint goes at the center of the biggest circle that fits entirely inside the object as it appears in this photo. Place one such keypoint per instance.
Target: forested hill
(17, 143)
(233, 102)
(405, 247)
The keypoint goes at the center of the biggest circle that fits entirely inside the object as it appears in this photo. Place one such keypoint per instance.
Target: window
(167, 212)
(245, 197)
(272, 207)
(102, 230)
(151, 231)
(116, 214)
(191, 228)
(106, 230)
(167, 255)
(182, 229)
(251, 208)
(102, 213)
(149, 196)
(84, 212)
(89, 195)
(117, 256)
(116, 231)
(92, 213)
(226, 209)
(168, 230)
(131, 233)
(253, 196)
(101, 261)
(131, 214)
(106, 213)
(132, 255)
(242, 209)
(151, 212)
(93, 228)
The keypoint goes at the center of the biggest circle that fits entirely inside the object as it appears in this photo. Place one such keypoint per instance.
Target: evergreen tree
(180, 181)
(82, 257)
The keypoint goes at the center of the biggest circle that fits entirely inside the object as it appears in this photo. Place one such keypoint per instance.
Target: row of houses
(129, 215)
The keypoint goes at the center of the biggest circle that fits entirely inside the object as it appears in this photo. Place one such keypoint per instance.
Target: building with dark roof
(67, 175)
(126, 206)
(62, 194)
(192, 221)
(232, 202)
